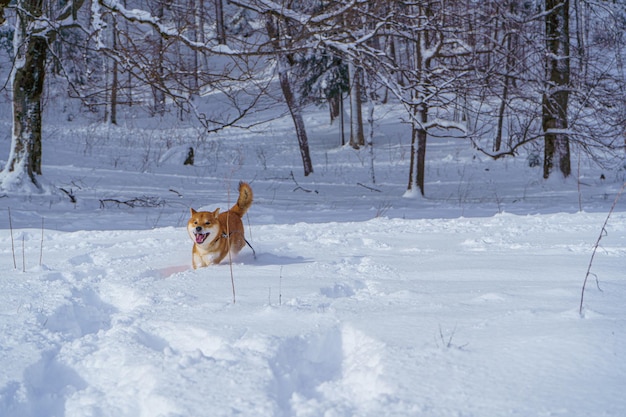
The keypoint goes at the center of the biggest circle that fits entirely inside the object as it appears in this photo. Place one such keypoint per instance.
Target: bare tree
(278, 33)
(27, 81)
(164, 69)
(428, 43)
(35, 29)
(597, 100)
(410, 75)
(476, 67)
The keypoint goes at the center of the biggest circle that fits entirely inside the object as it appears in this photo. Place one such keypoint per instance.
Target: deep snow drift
(359, 303)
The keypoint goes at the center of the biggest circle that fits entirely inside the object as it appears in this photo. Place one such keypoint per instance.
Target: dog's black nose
(199, 229)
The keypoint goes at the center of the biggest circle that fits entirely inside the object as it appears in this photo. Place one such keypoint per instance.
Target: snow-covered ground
(359, 303)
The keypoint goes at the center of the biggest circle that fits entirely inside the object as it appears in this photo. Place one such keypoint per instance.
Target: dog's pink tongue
(200, 238)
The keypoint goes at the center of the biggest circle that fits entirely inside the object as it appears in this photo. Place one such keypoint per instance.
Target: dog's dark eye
(207, 223)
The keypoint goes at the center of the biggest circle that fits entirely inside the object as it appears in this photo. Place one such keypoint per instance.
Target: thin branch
(369, 188)
(23, 255)
(512, 151)
(41, 243)
(165, 31)
(12, 240)
(134, 202)
(298, 187)
(70, 194)
(603, 232)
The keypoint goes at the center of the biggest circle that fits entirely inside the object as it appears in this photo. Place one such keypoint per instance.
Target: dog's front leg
(197, 261)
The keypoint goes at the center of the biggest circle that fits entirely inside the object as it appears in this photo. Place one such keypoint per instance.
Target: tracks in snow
(120, 331)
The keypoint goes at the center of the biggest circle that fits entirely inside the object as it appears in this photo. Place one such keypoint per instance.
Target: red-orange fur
(215, 234)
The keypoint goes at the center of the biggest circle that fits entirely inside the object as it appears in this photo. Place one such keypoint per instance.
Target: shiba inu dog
(214, 234)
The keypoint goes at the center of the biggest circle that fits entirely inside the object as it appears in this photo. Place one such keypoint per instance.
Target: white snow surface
(359, 302)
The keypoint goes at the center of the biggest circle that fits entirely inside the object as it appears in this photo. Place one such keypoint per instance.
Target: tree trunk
(417, 168)
(556, 94)
(422, 115)
(412, 183)
(198, 36)
(508, 48)
(334, 106)
(114, 73)
(27, 77)
(298, 121)
(357, 137)
(157, 91)
(342, 121)
(220, 27)
(421, 62)
(370, 121)
(290, 98)
(114, 90)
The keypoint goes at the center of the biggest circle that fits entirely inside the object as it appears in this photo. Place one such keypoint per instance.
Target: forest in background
(542, 76)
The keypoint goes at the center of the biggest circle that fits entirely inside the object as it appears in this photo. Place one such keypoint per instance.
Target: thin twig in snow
(595, 249)
(298, 187)
(369, 188)
(41, 244)
(12, 241)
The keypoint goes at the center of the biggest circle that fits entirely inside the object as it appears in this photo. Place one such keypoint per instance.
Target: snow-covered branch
(305, 19)
(162, 28)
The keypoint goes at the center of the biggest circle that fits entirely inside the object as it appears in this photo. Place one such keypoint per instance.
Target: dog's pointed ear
(216, 213)
(193, 212)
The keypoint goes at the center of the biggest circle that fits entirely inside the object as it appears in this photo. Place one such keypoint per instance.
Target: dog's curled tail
(244, 201)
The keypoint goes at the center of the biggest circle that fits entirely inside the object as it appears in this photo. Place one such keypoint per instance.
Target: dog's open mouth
(201, 237)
